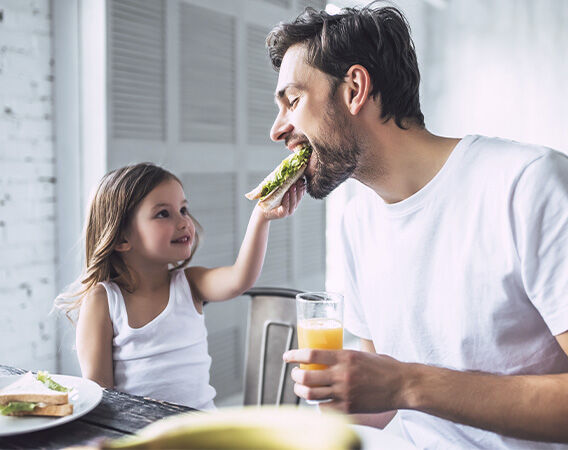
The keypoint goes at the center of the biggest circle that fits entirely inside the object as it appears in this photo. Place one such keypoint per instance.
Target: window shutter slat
(137, 72)
(260, 89)
(207, 75)
(218, 247)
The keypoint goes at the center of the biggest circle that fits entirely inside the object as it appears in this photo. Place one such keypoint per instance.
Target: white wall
(27, 186)
(499, 69)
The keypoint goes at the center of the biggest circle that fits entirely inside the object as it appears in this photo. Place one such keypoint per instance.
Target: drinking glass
(320, 325)
(320, 322)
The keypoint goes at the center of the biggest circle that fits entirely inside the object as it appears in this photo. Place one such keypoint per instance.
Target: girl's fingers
(290, 201)
(299, 189)
(286, 201)
(293, 198)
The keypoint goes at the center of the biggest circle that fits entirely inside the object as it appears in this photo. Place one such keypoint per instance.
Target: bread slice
(295, 164)
(29, 389)
(28, 396)
(257, 191)
(48, 410)
(274, 199)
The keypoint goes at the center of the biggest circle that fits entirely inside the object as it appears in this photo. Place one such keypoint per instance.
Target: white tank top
(167, 358)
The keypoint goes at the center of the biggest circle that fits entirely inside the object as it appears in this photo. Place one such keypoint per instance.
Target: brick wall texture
(27, 186)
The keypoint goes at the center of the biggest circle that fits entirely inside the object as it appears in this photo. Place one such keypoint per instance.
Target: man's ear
(357, 88)
(122, 246)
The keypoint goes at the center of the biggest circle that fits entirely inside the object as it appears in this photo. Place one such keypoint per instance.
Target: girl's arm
(94, 338)
(223, 283)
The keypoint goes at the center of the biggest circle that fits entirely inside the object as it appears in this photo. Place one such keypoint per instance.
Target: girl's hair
(110, 214)
(377, 37)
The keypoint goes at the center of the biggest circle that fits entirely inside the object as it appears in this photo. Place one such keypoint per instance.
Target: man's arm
(523, 406)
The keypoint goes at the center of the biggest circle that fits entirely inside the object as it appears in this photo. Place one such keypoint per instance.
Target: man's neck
(398, 163)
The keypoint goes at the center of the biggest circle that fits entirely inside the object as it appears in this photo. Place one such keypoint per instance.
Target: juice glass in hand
(320, 322)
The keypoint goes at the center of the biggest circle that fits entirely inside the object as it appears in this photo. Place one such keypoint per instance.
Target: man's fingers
(312, 393)
(310, 355)
(311, 377)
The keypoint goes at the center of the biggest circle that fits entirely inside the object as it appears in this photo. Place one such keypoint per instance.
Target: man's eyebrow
(279, 94)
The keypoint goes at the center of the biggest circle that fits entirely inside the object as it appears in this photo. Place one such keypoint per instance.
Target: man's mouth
(311, 162)
(296, 145)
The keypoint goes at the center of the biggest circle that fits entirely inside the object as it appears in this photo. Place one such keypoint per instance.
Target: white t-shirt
(469, 273)
(167, 358)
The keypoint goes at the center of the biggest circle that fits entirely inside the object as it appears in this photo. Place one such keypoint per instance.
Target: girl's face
(161, 230)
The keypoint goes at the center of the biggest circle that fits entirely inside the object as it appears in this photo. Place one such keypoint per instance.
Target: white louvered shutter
(310, 239)
(191, 87)
(261, 81)
(137, 72)
(216, 215)
(207, 75)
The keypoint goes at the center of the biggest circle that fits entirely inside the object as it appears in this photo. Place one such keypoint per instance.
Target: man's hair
(378, 38)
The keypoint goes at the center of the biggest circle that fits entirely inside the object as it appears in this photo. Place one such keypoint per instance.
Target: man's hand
(521, 406)
(357, 382)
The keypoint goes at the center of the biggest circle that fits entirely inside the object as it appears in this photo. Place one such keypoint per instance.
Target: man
(457, 256)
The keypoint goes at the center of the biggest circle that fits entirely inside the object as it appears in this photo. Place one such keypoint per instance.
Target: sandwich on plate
(272, 189)
(35, 395)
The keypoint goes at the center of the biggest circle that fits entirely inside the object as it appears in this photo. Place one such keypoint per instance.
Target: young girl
(140, 328)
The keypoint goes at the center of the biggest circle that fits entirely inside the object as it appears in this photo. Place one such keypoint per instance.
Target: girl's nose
(184, 222)
(280, 128)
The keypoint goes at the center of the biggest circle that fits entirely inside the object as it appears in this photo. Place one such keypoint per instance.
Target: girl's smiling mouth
(182, 240)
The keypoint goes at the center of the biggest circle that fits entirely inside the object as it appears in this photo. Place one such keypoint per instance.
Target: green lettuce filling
(286, 169)
(15, 407)
(49, 382)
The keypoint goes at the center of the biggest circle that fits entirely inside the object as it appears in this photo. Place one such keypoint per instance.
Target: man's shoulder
(496, 159)
(498, 149)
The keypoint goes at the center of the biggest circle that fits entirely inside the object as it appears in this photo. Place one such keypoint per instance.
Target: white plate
(85, 395)
(376, 439)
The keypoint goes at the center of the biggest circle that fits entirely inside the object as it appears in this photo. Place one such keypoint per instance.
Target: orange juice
(324, 334)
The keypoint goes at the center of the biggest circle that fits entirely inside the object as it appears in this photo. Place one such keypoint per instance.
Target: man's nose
(280, 128)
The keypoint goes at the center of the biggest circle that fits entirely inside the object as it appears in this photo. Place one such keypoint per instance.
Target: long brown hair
(110, 213)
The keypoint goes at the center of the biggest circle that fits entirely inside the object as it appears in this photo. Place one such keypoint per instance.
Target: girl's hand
(289, 203)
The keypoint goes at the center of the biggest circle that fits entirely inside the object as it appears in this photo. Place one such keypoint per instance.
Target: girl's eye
(184, 211)
(163, 213)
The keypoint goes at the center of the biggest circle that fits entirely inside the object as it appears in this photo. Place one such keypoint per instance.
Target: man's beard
(337, 158)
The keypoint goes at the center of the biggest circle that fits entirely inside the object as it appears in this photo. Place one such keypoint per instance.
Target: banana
(270, 428)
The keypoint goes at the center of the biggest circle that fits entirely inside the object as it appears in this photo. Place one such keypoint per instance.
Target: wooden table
(116, 415)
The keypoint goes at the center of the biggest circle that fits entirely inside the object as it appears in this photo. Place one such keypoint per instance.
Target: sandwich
(35, 395)
(272, 189)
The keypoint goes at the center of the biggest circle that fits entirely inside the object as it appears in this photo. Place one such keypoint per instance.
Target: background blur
(90, 85)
